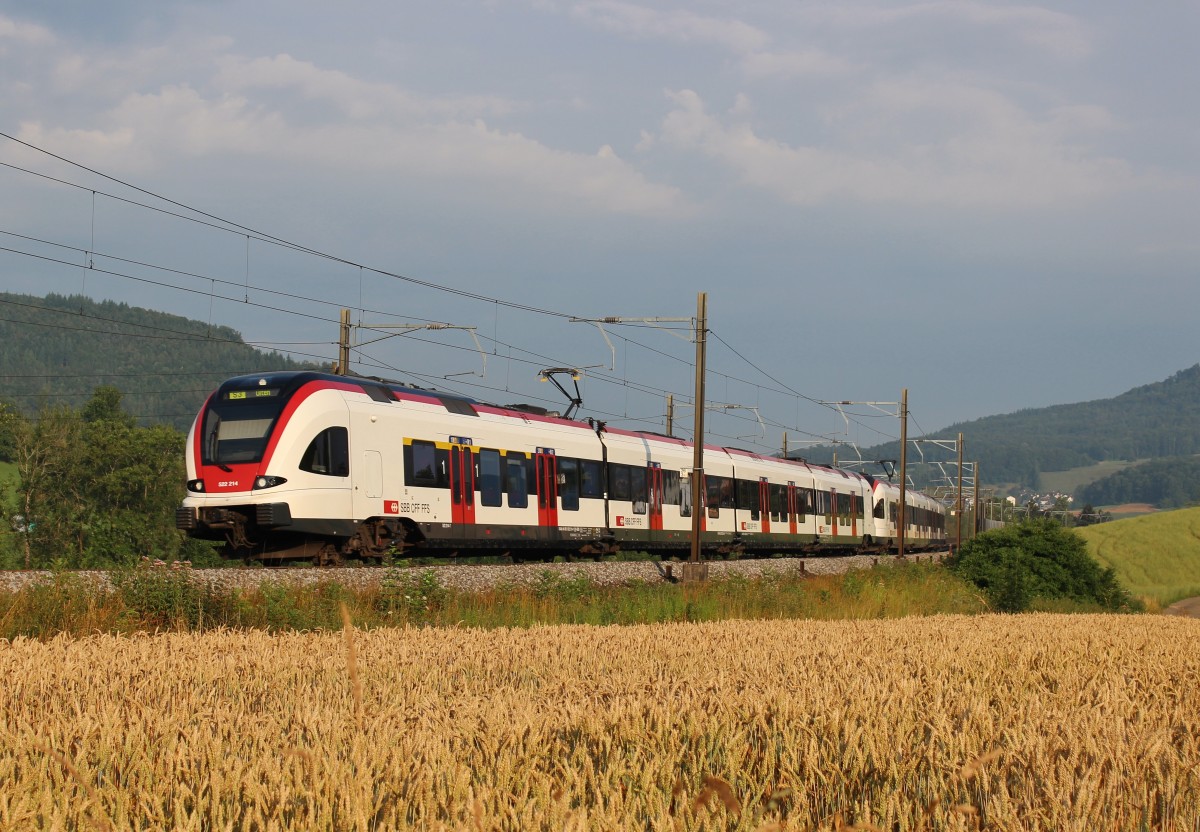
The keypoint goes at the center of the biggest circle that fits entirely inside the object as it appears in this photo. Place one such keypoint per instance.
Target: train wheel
(328, 556)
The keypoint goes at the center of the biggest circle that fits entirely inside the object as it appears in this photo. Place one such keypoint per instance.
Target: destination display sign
(256, 393)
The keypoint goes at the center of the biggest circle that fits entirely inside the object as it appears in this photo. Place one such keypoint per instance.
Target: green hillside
(58, 349)
(1156, 556)
(1155, 421)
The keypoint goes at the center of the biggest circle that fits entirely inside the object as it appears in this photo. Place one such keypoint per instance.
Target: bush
(1038, 559)
(159, 596)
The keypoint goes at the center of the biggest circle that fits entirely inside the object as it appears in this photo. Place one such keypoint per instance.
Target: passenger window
(637, 489)
(420, 464)
(489, 478)
(568, 490)
(518, 492)
(671, 488)
(591, 481)
(778, 496)
(328, 454)
(618, 478)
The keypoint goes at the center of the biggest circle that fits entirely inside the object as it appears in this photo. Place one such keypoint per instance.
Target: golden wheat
(1033, 722)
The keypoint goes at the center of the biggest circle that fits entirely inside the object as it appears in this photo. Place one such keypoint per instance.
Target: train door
(764, 504)
(833, 511)
(547, 487)
(462, 483)
(792, 507)
(854, 502)
(654, 480)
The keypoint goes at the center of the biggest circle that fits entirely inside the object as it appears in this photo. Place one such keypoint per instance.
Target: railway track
(478, 577)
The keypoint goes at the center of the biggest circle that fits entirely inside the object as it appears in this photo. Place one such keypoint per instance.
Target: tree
(42, 454)
(96, 489)
(1037, 558)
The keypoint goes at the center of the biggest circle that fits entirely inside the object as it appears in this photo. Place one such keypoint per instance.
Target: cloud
(798, 64)
(129, 109)
(355, 98)
(178, 123)
(1056, 33)
(676, 25)
(24, 33)
(913, 142)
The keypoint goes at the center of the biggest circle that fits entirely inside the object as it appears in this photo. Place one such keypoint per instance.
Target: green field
(1068, 482)
(1156, 556)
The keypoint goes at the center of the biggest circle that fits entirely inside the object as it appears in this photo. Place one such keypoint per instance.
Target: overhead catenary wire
(229, 226)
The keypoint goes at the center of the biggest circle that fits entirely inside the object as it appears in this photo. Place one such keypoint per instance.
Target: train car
(313, 466)
(924, 517)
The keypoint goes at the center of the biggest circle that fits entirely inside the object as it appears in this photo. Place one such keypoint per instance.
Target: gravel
(474, 577)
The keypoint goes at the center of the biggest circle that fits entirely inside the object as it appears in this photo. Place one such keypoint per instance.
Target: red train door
(547, 487)
(462, 485)
(833, 509)
(791, 507)
(854, 501)
(764, 504)
(654, 479)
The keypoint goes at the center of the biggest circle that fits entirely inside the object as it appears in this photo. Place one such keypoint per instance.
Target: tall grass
(147, 600)
(1032, 722)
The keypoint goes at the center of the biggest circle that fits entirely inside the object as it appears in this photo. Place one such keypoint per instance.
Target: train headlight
(195, 485)
(268, 482)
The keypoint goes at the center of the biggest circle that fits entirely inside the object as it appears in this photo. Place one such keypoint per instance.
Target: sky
(994, 206)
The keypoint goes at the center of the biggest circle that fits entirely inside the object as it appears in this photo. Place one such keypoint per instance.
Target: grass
(1156, 557)
(154, 600)
(1070, 481)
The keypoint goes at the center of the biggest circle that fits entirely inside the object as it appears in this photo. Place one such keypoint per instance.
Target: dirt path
(1188, 607)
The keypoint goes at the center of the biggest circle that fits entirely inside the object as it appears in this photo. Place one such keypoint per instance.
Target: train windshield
(238, 424)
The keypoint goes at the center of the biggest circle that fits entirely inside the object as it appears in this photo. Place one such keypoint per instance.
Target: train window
(748, 497)
(685, 497)
(779, 507)
(878, 512)
(618, 482)
(591, 479)
(328, 454)
(637, 489)
(718, 494)
(490, 489)
(671, 488)
(517, 481)
(804, 503)
(843, 507)
(820, 504)
(568, 489)
(421, 464)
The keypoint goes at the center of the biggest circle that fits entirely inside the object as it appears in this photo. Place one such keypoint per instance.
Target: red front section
(241, 475)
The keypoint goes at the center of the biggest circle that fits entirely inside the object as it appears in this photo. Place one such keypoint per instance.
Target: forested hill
(58, 349)
(1157, 420)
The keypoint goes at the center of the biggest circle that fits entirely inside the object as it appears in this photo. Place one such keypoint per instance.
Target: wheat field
(988, 722)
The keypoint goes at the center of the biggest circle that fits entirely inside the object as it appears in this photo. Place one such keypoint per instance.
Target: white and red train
(308, 465)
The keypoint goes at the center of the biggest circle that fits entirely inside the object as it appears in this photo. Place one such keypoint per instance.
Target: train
(314, 466)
